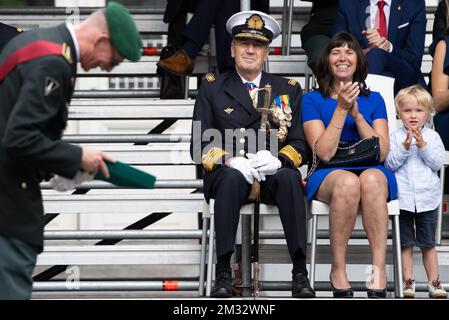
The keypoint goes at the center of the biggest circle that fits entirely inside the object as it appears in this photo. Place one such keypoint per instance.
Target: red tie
(382, 20)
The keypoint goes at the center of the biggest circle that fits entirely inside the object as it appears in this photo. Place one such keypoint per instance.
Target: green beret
(123, 31)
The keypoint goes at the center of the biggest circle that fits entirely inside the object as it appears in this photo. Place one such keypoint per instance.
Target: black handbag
(365, 152)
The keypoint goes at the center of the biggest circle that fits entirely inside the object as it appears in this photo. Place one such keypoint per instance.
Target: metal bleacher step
(356, 254)
(120, 204)
(143, 254)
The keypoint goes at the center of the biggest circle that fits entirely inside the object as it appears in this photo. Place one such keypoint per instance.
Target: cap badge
(255, 22)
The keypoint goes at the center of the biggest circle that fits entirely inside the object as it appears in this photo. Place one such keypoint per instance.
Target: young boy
(416, 154)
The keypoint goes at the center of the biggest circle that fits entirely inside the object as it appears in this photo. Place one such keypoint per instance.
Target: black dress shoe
(377, 293)
(223, 285)
(301, 287)
(341, 293)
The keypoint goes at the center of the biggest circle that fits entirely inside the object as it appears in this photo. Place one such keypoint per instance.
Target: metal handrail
(159, 184)
(121, 234)
(126, 138)
(180, 285)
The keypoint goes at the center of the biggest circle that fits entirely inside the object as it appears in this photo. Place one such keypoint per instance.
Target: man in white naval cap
(231, 166)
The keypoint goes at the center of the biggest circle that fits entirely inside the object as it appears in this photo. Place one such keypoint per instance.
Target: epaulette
(292, 82)
(210, 77)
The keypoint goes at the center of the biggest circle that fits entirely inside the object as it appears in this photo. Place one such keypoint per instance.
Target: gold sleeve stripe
(209, 159)
(292, 154)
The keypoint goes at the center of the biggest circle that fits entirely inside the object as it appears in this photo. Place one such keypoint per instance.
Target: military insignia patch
(292, 82)
(255, 22)
(209, 77)
(228, 110)
(50, 86)
(66, 52)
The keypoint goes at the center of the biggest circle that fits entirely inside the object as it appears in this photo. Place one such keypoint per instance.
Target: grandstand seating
(177, 194)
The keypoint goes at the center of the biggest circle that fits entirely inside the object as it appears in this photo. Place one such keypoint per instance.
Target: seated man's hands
(375, 40)
(244, 166)
(264, 162)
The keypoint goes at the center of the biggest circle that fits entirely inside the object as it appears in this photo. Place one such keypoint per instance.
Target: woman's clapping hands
(347, 95)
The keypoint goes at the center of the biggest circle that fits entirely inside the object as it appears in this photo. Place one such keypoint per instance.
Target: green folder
(124, 175)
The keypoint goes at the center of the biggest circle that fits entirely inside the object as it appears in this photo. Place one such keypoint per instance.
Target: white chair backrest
(385, 86)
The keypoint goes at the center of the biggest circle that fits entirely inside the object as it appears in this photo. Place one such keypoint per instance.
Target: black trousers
(208, 13)
(230, 190)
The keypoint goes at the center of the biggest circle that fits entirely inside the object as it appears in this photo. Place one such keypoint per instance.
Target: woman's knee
(373, 180)
(347, 187)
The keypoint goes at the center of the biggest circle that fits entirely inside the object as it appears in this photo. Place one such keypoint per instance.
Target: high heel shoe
(341, 293)
(376, 293)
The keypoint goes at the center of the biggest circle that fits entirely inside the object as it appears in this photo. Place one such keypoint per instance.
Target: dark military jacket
(224, 104)
(7, 33)
(34, 98)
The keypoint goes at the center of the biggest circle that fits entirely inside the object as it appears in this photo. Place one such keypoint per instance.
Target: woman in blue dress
(343, 108)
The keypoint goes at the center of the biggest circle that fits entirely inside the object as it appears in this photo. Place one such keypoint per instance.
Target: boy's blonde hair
(419, 93)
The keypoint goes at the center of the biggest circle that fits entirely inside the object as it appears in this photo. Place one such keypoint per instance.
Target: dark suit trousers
(17, 261)
(230, 191)
(208, 13)
(387, 64)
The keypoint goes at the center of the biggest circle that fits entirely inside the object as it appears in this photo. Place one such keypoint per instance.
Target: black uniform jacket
(7, 33)
(223, 103)
(34, 97)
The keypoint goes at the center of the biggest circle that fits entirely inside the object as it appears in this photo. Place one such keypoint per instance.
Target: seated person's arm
(205, 147)
(439, 24)
(341, 22)
(375, 40)
(379, 128)
(440, 80)
(293, 152)
(327, 138)
(413, 50)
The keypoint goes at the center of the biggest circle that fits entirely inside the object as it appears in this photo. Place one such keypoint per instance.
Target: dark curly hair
(324, 73)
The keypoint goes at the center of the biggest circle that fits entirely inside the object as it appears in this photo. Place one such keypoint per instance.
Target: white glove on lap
(244, 166)
(64, 184)
(264, 162)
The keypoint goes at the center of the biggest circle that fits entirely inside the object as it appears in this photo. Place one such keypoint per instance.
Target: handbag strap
(355, 144)
(315, 162)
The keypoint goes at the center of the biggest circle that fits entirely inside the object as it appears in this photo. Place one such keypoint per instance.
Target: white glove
(244, 166)
(264, 162)
(63, 184)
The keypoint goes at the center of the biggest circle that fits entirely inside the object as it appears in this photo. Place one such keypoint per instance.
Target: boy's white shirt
(416, 170)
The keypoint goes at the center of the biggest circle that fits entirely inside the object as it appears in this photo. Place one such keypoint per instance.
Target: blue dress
(372, 107)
